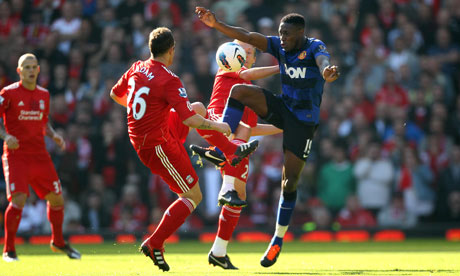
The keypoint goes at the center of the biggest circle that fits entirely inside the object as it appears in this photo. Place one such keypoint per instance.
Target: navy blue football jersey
(301, 80)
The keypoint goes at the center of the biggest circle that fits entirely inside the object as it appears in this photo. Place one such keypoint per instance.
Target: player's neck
(29, 85)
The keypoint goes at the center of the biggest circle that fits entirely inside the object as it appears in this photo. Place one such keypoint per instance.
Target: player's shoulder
(11, 87)
(42, 89)
(315, 42)
(226, 74)
(168, 73)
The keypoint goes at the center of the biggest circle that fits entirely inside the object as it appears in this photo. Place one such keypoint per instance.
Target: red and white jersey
(223, 83)
(152, 91)
(25, 116)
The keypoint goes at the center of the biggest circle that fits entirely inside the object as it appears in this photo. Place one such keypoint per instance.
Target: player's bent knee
(237, 91)
(55, 200)
(291, 184)
(19, 200)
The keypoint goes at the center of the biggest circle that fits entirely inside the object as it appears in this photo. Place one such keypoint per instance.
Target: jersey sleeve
(4, 101)
(121, 87)
(237, 73)
(319, 48)
(273, 46)
(176, 96)
(233, 75)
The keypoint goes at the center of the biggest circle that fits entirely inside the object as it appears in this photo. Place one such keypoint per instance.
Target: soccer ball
(230, 57)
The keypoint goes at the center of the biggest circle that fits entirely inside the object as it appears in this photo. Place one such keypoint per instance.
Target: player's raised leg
(55, 212)
(13, 215)
(243, 95)
(292, 168)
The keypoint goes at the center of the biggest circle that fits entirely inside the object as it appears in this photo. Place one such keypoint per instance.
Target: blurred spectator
(67, 26)
(401, 56)
(447, 53)
(33, 216)
(449, 187)
(391, 92)
(414, 180)
(374, 175)
(130, 214)
(336, 181)
(396, 214)
(95, 215)
(72, 218)
(353, 215)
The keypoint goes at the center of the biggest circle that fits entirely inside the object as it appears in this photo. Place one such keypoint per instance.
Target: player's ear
(18, 70)
(38, 67)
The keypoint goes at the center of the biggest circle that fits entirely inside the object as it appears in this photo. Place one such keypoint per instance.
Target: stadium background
(398, 98)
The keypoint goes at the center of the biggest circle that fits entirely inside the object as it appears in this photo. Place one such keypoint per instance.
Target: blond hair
(25, 57)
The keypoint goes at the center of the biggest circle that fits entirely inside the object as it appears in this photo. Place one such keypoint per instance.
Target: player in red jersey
(233, 192)
(149, 90)
(24, 107)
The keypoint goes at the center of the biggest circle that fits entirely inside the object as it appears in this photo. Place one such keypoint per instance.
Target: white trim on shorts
(172, 171)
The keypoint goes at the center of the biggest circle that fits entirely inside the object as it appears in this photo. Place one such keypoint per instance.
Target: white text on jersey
(295, 72)
(146, 72)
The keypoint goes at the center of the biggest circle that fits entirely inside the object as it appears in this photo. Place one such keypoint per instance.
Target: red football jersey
(152, 91)
(223, 83)
(25, 116)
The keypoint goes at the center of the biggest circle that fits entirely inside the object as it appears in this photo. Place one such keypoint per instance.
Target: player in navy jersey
(304, 67)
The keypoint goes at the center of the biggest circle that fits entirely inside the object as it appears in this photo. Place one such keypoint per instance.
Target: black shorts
(297, 136)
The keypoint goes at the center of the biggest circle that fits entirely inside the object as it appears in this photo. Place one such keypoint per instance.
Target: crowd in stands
(386, 154)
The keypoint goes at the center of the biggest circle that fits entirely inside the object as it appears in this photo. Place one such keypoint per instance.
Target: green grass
(413, 257)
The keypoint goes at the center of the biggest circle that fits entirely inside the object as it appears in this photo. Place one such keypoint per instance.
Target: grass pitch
(413, 257)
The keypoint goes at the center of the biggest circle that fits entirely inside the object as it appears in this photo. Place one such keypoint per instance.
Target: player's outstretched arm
(259, 72)
(198, 121)
(119, 100)
(256, 39)
(58, 139)
(265, 129)
(11, 141)
(329, 72)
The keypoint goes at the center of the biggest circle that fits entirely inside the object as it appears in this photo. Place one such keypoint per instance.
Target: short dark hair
(294, 19)
(160, 41)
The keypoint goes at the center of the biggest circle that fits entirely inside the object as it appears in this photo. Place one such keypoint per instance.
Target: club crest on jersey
(42, 104)
(189, 179)
(182, 92)
(302, 55)
(322, 48)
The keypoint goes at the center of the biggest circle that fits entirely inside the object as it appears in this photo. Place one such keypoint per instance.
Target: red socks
(56, 217)
(172, 219)
(12, 218)
(228, 220)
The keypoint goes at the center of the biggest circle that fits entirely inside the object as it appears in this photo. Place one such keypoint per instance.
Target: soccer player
(223, 82)
(24, 107)
(304, 67)
(149, 90)
(232, 195)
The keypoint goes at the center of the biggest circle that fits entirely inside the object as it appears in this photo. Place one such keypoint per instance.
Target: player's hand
(11, 142)
(59, 141)
(206, 16)
(223, 127)
(331, 73)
